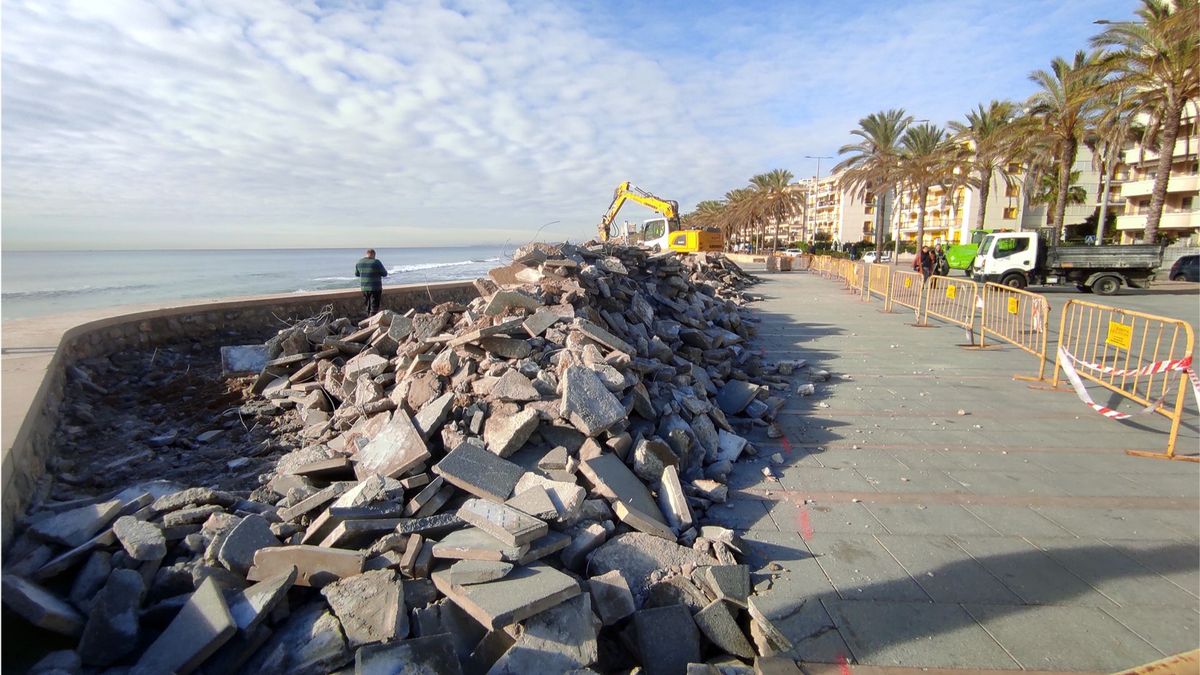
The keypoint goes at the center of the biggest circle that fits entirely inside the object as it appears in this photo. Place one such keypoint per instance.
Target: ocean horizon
(40, 283)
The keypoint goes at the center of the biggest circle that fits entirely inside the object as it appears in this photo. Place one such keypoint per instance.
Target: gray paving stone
(479, 472)
(1115, 574)
(1179, 565)
(744, 514)
(804, 479)
(1105, 523)
(1172, 630)
(861, 568)
(928, 519)
(799, 615)
(1017, 521)
(1034, 576)
(823, 518)
(915, 634)
(1064, 638)
(198, 631)
(945, 571)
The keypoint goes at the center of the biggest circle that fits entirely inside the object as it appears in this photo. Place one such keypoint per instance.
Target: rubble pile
(516, 485)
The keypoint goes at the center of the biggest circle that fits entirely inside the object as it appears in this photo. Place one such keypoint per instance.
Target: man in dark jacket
(370, 273)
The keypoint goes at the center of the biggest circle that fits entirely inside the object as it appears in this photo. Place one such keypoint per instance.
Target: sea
(39, 283)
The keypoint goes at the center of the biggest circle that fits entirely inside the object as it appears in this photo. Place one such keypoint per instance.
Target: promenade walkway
(1015, 536)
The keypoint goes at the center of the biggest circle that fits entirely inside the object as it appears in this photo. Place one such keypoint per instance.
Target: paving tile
(814, 520)
(1170, 629)
(763, 547)
(1178, 563)
(741, 514)
(1184, 521)
(945, 571)
(1116, 575)
(1020, 521)
(862, 569)
(1095, 484)
(1030, 573)
(1106, 523)
(928, 519)
(915, 634)
(848, 458)
(1064, 638)
(819, 479)
(1168, 486)
(796, 609)
(923, 481)
(1005, 482)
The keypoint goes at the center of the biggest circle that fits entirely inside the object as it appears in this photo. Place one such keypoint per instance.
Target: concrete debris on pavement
(519, 483)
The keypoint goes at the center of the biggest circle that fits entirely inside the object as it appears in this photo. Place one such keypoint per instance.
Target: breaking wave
(63, 292)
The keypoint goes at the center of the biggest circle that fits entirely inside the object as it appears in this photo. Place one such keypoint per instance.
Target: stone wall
(24, 463)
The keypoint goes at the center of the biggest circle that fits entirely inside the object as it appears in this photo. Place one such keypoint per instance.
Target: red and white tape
(1182, 365)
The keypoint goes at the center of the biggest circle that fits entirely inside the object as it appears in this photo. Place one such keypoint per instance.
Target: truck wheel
(1083, 289)
(1106, 285)
(1014, 281)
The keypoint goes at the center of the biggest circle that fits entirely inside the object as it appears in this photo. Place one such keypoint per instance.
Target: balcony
(1177, 183)
(1170, 221)
(1183, 147)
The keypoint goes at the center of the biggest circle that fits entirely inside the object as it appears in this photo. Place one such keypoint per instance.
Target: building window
(1012, 191)
(1185, 204)
(1010, 213)
(1013, 167)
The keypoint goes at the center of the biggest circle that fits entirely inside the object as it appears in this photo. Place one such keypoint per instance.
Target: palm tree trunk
(985, 189)
(922, 194)
(1158, 194)
(1065, 161)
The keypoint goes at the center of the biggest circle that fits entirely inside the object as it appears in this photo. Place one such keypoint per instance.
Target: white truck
(1021, 259)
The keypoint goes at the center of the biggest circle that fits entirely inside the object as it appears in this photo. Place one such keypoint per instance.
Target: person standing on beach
(370, 273)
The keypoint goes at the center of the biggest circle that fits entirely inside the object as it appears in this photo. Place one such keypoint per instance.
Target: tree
(1065, 105)
(1107, 139)
(925, 160)
(1047, 192)
(989, 132)
(1157, 61)
(872, 164)
(775, 199)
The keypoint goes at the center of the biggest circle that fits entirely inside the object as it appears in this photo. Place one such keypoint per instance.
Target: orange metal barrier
(1017, 317)
(879, 281)
(951, 300)
(1138, 356)
(905, 289)
(855, 276)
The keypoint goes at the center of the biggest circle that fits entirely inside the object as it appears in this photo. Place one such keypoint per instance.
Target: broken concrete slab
(718, 622)
(432, 655)
(594, 332)
(567, 497)
(667, 639)
(395, 450)
(728, 582)
(729, 446)
(611, 597)
(196, 633)
(111, 631)
(536, 502)
(479, 472)
(424, 497)
(141, 540)
(584, 540)
(503, 301)
(631, 500)
(433, 414)
(672, 501)
(513, 386)
(359, 532)
(541, 319)
(587, 403)
(505, 434)
(310, 642)
(650, 457)
(39, 606)
(507, 348)
(765, 610)
(315, 566)
(637, 555)
(503, 522)
(735, 396)
(466, 572)
(251, 605)
(192, 497)
(559, 640)
(243, 541)
(548, 544)
(75, 527)
(365, 364)
(370, 607)
(472, 543)
(524, 592)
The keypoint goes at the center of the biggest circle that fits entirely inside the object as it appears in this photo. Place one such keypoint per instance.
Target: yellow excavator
(658, 233)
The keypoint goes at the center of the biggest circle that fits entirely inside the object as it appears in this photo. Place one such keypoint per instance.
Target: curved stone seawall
(37, 353)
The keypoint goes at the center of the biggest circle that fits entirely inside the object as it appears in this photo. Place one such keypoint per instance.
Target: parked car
(792, 251)
(1186, 268)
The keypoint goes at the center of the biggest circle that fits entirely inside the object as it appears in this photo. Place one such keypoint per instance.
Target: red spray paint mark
(787, 445)
(806, 531)
(843, 666)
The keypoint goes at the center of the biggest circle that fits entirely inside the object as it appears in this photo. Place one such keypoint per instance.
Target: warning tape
(1183, 365)
(1155, 368)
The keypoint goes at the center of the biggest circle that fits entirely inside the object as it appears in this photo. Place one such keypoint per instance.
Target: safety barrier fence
(953, 301)
(879, 281)
(1144, 358)
(1017, 317)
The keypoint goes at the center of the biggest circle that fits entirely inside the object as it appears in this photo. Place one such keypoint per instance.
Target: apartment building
(950, 214)
(832, 212)
(1137, 171)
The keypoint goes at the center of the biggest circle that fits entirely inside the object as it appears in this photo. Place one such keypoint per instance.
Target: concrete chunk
(505, 434)
(718, 622)
(396, 449)
(503, 522)
(479, 472)
(432, 655)
(370, 607)
(465, 572)
(650, 457)
(667, 639)
(728, 582)
(611, 597)
(587, 403)
(558, 640)
(631, 500)
(729, 446)
(75, 527)
(672, 501)
(40, 607)
(513, 386)
(604, 337)
(316, 566)
(141, 540)
(243, 541)
(310, 642)
(524, 592)
(198, 631)
(536, 502)
(251, 605)
(549, 543)
(585, 540)
(735, 396)
(432, 415)
(637, 555)
(472, 543)
(112, 626)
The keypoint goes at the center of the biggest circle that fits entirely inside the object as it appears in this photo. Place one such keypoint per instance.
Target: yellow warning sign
(1012, 305)
(907, 282)
(1120, 335)
(951, 291)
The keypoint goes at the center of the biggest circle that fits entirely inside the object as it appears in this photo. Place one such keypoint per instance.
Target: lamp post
(816, 183)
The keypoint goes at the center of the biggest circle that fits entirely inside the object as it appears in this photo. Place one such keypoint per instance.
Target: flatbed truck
(1020, 259)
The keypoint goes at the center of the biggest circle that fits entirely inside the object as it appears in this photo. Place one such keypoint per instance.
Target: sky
(131, 124)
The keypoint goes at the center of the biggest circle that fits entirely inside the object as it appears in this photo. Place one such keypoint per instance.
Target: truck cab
(1009, 258)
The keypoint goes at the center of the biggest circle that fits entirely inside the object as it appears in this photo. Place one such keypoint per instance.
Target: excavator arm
(668, 208)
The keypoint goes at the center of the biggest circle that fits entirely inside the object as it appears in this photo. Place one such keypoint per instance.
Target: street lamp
(816, 181)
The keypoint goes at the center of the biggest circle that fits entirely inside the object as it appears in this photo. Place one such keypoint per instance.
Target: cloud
(168, 123)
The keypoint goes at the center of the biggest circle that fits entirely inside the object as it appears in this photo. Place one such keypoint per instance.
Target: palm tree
(989, 132)
(1064, 107)
(871, 167)
(1106, 139)
(1047, 191)
(926, 159)
(738, 213)
(775, 199)
(1157, 61)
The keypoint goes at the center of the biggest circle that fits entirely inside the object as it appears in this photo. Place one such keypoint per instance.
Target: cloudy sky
(256, 123)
